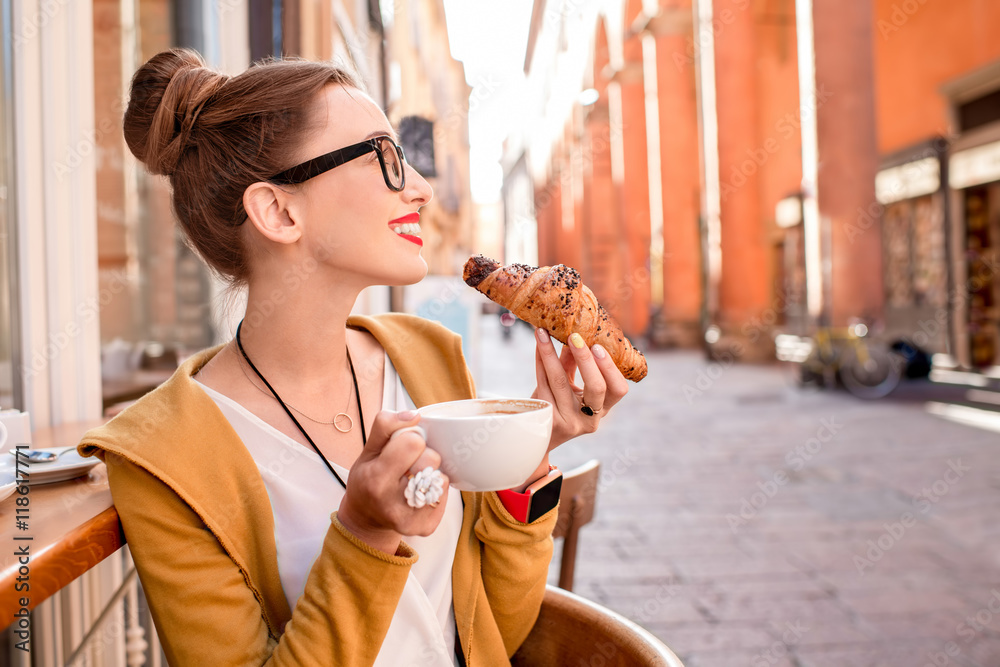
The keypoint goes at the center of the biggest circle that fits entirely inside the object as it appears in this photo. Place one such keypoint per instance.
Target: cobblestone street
(747, 522)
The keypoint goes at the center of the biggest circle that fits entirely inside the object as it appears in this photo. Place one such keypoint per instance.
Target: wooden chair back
(571, 630)
(577, 501)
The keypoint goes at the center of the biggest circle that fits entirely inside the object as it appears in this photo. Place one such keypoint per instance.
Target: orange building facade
(937, 70)
(709, 201)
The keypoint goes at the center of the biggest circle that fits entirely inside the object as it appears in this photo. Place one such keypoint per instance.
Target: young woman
(263, 489)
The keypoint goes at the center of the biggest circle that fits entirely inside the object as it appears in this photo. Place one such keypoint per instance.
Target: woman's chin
(408, 273)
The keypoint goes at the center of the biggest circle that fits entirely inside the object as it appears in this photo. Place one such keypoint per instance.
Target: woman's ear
(267, 207)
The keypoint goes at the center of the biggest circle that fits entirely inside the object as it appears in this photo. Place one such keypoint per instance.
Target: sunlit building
(724, 171)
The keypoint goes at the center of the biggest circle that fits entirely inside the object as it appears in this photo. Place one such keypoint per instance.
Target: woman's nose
(417, 188)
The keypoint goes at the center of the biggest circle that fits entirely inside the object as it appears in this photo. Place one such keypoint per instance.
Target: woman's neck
(298, 339)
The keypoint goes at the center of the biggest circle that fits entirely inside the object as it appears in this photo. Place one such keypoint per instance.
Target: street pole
(708, 125)
(810, 162)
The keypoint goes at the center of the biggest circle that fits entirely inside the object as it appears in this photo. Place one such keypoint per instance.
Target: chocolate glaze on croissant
(554, 298)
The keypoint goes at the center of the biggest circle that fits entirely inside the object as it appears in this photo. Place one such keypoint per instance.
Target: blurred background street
(879, 545)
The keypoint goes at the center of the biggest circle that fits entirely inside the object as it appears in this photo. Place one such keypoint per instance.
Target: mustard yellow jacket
(200, 528)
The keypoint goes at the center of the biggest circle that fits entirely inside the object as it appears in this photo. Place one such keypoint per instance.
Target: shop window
(897, 225)
(915, 267)
(416, 136)
(265, 28)
(982, 229)
(790, 280)
(158, 292)
(980, 111)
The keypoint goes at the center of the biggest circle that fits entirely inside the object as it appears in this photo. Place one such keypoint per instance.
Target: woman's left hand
(603, 385)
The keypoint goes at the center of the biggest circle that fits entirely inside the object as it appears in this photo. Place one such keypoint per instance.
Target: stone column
(632, 290)
(671, 56)
(603, 259)
(745, 285)
(602, 263)
(848, 159)
(571, 199)
(546, 215)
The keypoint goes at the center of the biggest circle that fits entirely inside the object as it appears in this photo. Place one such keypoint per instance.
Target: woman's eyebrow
(382, 133)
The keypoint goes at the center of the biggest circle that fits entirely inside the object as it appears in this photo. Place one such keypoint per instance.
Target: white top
(303, 494)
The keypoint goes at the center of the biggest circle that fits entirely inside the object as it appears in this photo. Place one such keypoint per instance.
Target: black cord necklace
(357, 395)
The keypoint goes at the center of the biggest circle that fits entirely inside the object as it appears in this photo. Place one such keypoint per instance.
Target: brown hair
(214, 135)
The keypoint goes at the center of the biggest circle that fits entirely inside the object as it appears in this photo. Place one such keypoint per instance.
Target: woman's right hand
(374, 507)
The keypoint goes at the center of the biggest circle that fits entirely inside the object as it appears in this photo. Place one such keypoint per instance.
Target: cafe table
(71, 527)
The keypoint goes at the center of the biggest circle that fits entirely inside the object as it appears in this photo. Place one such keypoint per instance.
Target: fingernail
(577, 341)
(543, 335)
(406, 415)
(599, 351)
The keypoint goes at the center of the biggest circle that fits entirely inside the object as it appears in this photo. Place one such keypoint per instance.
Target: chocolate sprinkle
(477, 268)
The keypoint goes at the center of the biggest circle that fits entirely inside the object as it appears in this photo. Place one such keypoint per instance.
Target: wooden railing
(78, 586)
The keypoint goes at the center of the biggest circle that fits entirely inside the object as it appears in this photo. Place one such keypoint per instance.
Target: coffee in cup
(488, 444)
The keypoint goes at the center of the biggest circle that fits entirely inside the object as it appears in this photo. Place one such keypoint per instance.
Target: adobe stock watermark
(796, 459)
(86, 311)
(867, 218)
(708, 376)
(483, 89)
(649, 609)
(625, 458)
(436, 653)
(224, 7)
(556, 13)
(765, 321)
(721, 19)
(787, 126)
(968, 629)
(900, 16)
(77, 153)
(929, 328)
(779, 649)
(922, 502)
(33, 24)
(623, 291)
(605, 653)
(577, 162)
(470, 444)
(293, 279)
(724, 359)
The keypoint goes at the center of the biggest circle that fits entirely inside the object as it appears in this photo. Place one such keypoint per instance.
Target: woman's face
(352, 220)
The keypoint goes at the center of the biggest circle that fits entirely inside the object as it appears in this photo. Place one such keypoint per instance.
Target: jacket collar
(171, 431)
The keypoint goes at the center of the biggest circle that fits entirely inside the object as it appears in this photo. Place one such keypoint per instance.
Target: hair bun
(168, 93)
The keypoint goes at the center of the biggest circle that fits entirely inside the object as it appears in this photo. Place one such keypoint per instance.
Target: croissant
(554, 298)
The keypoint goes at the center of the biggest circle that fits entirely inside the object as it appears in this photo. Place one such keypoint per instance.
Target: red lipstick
(408, 223)
(409, 217)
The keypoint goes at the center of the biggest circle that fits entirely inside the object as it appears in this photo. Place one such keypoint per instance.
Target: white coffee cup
(488, 444)
(18, 428)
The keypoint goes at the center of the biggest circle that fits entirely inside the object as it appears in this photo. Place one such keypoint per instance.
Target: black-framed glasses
(389, 153)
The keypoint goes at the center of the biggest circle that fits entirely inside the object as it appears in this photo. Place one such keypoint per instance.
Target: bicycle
(866, 368)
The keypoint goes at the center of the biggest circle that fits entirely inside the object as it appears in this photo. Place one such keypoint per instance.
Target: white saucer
(67, 466)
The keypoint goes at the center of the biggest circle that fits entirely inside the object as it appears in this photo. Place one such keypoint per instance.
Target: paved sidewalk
(745, 522)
